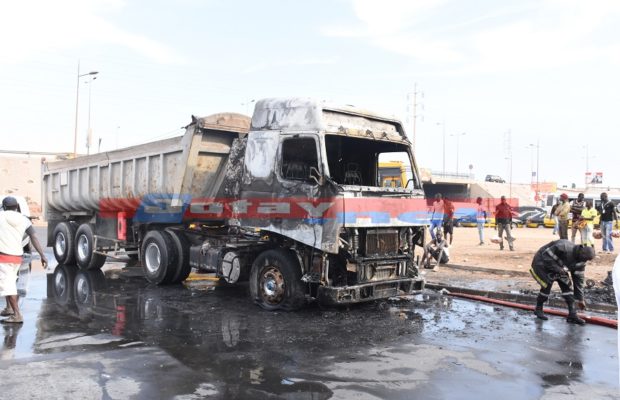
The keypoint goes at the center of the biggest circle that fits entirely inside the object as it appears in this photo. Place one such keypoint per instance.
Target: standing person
(576, 208)
(448, 219)
(503, 220)
(481, 219)
(436, 210)
(559, 261)
(555, 217)
(13, 225)
(562, 212)
(607, 209)
(587, 219)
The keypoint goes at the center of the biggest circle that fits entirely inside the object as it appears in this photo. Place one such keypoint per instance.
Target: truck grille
(381, 242)
(383, 273)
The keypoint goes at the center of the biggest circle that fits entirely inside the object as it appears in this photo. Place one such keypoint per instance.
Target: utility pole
(587, 164)
(77, 102)
(414, 114)
(537, 165)
(443, 159)
(508, 153)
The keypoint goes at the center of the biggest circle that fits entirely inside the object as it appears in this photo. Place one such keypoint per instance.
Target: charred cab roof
(302, 114)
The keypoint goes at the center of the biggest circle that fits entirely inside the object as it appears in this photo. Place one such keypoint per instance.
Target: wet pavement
(111, 335)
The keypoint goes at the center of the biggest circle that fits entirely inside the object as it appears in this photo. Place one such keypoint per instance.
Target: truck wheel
(275, 281)
(64, 236)
(84, 247)
(159, 257)
(182, 267)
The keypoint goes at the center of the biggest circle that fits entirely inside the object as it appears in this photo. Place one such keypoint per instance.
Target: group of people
(582, 213)
(13, 227)
(562, 261)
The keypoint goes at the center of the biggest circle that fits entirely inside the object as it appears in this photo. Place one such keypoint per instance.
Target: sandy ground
(466, 252)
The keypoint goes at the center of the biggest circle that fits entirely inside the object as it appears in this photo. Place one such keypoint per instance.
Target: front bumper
(369, 291)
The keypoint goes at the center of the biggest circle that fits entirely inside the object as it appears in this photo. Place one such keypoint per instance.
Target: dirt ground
(487, 267)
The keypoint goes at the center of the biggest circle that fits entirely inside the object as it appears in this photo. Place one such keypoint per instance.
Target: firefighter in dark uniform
(561, 261)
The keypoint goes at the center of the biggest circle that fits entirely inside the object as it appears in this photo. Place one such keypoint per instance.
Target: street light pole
(443, 126)
(587, 164)
(531, 147)
(537, 146)
(89, 133)
(443, 162)
(77, 104)
(537, 165)
(457, 150)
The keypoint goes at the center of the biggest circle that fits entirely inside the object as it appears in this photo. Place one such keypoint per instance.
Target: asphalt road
(114, 336)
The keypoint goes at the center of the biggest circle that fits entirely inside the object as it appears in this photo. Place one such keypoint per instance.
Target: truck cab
(319, 167)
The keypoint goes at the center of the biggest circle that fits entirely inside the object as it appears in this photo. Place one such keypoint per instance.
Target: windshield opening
(355, 161)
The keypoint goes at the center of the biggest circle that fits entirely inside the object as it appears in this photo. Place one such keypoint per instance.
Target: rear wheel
(275, 281)
(159, 257)
(85, 256)
(64, 237)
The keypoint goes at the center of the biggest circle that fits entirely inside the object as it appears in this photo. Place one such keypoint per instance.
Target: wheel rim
(60, 283)
(61, 244)
(83, 247)
(82, 290)
(152, 258)
(272, 285)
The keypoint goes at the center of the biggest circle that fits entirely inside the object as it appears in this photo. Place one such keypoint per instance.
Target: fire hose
(610, 323)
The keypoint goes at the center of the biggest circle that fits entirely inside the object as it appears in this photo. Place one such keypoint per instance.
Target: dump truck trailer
(289, 200)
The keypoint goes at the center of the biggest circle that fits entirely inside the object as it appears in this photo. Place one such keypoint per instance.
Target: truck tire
(182, 267)
(64, 238)
(275, 281)
(84, 249)
(159, 257)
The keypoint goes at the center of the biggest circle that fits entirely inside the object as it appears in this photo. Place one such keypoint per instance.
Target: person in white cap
(13, 226)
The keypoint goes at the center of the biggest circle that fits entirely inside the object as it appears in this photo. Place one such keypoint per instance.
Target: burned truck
(289, 200)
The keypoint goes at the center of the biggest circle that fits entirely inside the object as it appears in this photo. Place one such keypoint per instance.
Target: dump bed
(192, 164)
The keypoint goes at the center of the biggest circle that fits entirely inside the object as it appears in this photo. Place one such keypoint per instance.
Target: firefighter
(561, 261)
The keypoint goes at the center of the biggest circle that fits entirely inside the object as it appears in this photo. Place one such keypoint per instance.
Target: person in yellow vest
(587, 221)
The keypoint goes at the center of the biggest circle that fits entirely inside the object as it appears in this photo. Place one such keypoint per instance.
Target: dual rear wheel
(75, 244)
(165, 257)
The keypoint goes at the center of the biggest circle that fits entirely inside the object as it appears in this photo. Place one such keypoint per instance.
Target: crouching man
(563, 262)
(436, 249)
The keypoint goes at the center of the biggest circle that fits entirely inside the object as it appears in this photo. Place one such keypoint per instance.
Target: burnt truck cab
(314, 169)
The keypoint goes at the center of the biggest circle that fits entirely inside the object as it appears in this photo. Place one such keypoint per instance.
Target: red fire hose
(610, 323)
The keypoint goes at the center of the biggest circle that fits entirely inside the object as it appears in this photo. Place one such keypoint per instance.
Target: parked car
(531, 216)
(469, 220)
(494, 178)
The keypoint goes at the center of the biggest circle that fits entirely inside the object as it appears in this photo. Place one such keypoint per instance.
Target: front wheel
(275, 281)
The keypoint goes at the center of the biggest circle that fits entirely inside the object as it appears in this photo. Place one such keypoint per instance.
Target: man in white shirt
(13, 226)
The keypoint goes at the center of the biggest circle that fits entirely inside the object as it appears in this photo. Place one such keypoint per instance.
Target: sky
(510, 79)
